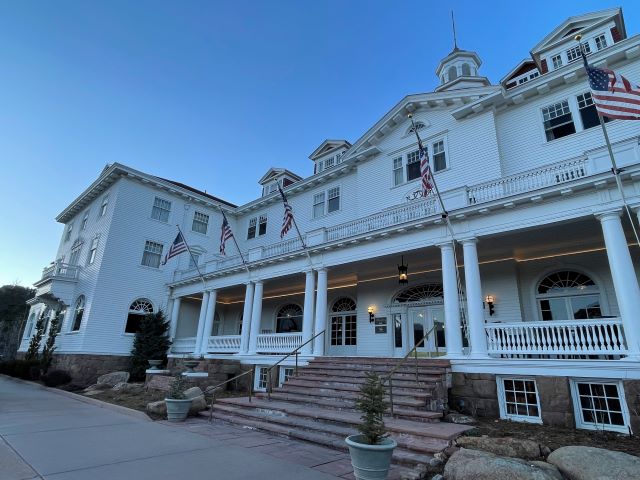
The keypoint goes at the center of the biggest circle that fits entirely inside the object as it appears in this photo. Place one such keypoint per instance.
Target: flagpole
(295, 224)
(235, 241)
(614, 167)
(204, 285)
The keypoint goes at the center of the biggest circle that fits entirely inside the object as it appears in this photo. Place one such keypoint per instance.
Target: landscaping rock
(460, 419)
(113, 378)
(96, 387)
(478, 465)
(131, 388)
(193, 392)
(197, 405)
(590, 463)
(157, 408)
(506, 446)
(551, 469)
(160, 382)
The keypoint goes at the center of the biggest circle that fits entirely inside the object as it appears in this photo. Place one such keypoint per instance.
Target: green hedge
(24, 369)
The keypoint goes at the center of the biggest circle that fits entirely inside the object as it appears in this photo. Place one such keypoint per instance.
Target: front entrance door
(427, 321)
(342, 340)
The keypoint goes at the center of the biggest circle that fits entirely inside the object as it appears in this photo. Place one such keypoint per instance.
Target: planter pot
(177, 410)
(154, 364)
(191, 364)
(370, 462)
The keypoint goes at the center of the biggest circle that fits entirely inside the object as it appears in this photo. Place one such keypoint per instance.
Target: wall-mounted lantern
(372, 315)
(403, 275)
(489, 299)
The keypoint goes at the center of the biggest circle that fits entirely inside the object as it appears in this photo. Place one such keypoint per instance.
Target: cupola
(459, 70)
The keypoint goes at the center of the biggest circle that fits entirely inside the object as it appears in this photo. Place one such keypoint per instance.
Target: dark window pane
(413, 170)
(133, 323)
(397, 331)
(533, 411)
(611, 390)
(617, 418)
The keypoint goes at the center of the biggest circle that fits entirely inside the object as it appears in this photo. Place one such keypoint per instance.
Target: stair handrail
(293, 352)
(212, 389)
(401, 362)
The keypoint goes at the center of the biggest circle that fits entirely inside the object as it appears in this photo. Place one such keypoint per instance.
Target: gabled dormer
(525, 71)
(270, 180)
(459, 70)
(329, 154)
(599, 30)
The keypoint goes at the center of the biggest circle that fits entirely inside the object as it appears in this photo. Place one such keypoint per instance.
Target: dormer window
(601, 42)
(269, 189)
(573, 53)
(556, 60)
(329, 162)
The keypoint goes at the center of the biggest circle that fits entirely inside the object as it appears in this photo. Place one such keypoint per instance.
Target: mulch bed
(556, 437)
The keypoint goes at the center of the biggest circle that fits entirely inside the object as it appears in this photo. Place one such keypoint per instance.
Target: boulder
(551, 469)
(590, 463)
(197, 405)
(193, 392)
(505, 446)
(157, 408)
(478, 465)
(460, 419)
(160, 382)
(131, 388)
(96, 387)
(113, 378)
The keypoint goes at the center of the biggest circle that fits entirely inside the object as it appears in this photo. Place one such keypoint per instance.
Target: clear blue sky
(214, 93)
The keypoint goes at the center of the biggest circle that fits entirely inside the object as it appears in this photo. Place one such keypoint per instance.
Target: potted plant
(155, 364)
(190, 363)
(177, 405)
(371, 450)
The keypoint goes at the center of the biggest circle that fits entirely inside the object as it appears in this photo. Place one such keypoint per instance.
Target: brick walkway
(318, 458)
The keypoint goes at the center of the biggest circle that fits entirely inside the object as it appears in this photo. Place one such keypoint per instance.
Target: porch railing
(183, 345)
(528, 181)
(224, 343)
(281, 248)
(278, 342)
(573, 338)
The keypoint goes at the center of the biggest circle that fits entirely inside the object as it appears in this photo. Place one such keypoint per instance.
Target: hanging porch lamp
(403, 277)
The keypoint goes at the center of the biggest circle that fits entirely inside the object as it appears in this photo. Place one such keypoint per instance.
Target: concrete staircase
(318, 406)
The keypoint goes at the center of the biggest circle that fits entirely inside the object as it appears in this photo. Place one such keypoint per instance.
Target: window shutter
(615, 33)
(543, 66)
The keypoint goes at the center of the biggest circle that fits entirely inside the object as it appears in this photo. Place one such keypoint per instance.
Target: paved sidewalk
(45, 435)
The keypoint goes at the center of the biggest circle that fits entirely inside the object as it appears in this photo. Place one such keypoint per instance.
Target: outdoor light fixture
(371, 311)
(489, 299)
(403, 277)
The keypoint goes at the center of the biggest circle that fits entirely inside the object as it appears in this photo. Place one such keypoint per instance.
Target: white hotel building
(538, 222)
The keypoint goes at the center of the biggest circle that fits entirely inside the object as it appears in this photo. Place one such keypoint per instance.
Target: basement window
(518, 399)
(285, 374)
(600, 405)
(262, 379)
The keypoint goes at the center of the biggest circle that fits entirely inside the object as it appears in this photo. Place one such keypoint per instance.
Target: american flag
(287, 220)
(177, 247)
(613, 95)
(425, 172)
(226, 233)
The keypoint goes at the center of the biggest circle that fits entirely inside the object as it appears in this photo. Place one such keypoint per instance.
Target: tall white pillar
(452, 332)
(478, 339)
(175, 315)
(201, 321)
(624, 278)
(307, 317)
(246, 318)
(256, 317)
(208, 323)
(321, 313)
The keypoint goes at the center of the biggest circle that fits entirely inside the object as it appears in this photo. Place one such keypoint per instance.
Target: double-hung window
(105, 204)
(200, 222)
(161, 209)
(152, 254)
(75, 253)
(329, 162)
(92, 251)
(398, 174)
(413, 165)
(85, 220)
(326, 202)
(257, 227)
(601, 42)
(439, 156)
(262, 225)
(573, 54)
(251, 231)
(333, 204)
(318, 205)
(556, 60)
(558, 121)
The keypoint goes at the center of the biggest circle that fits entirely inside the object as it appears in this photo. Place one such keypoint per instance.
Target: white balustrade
(573, 338)
(388, 218)
(281, 248)
(61, 270)
(224, 343)
(279, 342)
(183, 345)
(528, 181)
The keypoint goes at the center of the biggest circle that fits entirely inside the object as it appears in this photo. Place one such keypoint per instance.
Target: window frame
(567, 296)
(85, 221)
(603, 37)
(317, 203)
(93, 250)
(578, 410)
(262, 224)
(554, 104)
(560, 61)
(67, 235)
(130, 311)
(321, 201)
(144, 251)
(103, 206)
(200, 221)
(397, 167)
(161, 209)
(78, 314)
(502, 399)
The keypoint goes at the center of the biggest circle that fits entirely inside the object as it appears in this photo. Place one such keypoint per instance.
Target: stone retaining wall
(479, 396)
(85, 369)
(218, 370)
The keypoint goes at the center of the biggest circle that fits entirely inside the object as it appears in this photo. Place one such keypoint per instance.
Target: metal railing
(401, 362)
(212, 390)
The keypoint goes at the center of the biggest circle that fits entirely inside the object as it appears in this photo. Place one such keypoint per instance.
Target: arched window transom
(568, 295)
(420, 293)
(137, 311)
(289, 319)
(344, 304)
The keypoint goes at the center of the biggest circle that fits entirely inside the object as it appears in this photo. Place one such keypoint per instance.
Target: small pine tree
(49, 346)
(151, 343)
(372, 405)
(177, 388)
(33, 351)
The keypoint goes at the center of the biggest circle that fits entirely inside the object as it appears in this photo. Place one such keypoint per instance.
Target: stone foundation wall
(477, 394)
(218, 370)
(85, 369)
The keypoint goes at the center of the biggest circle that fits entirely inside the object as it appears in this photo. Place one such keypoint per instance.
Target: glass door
(343, 335)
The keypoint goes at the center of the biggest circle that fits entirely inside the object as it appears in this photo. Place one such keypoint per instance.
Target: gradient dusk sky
(213, 93)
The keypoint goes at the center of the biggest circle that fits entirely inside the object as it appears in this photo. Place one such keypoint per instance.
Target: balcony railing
(224, 344)
(279, 342)
(569, 338)
(281, 248)
(184, 345)
(528, 181)
(60, 270)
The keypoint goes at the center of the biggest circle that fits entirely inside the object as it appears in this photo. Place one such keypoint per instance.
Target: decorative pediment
(276, 174)
(328, 146)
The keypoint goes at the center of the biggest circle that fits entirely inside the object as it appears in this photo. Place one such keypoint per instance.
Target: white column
(624, 278)
(201, 321)
(307, 318)
(175, 315)
(321, 312)
(246, 318)
(208, 323)
(452, 332)
(477, 333)
(256, 318)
